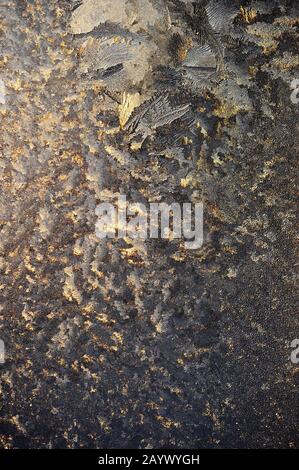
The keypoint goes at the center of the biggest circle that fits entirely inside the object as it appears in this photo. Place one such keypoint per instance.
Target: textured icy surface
(145, 344)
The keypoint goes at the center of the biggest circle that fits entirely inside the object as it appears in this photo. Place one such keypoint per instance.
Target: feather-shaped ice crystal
(134, 16)
(201, 57)
(120, 64)
(155, 113)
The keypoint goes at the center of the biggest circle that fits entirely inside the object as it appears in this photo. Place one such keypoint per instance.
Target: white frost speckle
(2, 92)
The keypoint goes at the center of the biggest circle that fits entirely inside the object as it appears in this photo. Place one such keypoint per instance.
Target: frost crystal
(156, 113)
(2, 92)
